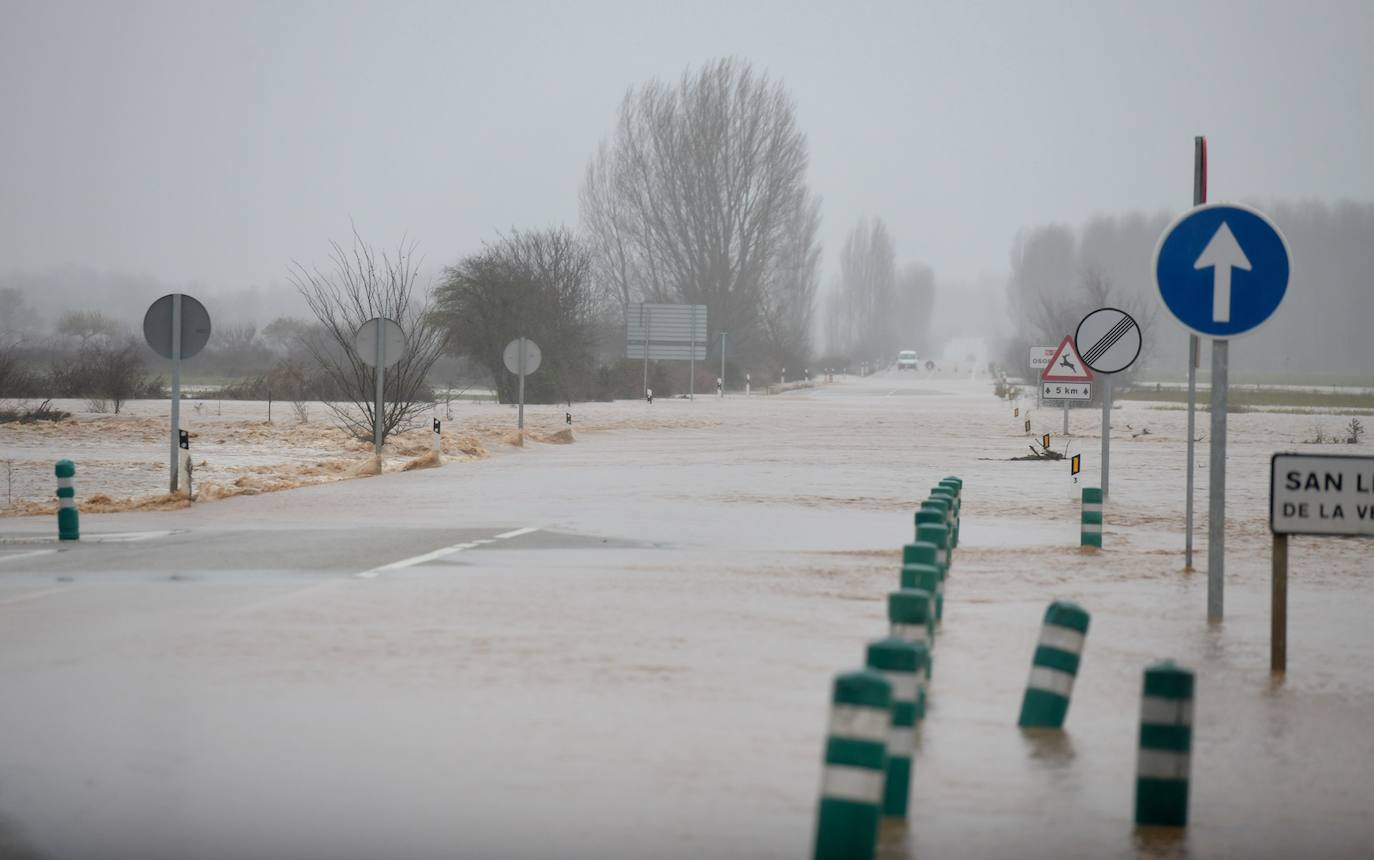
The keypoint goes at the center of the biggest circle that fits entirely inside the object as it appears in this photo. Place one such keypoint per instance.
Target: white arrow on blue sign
(1222, 269)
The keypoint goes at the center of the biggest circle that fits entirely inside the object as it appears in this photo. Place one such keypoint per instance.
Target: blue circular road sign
(1222, 269)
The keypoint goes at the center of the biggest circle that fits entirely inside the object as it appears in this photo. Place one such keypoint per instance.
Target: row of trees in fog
(875, 310)
(698, 195)
(1060, 273)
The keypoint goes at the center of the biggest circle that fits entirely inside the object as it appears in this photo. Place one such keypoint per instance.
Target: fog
(147, 147)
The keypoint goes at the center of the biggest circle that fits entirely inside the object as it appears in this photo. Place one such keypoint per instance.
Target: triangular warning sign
(1065, 365)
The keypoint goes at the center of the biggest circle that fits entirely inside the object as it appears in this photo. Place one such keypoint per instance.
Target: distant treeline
(1059, 273)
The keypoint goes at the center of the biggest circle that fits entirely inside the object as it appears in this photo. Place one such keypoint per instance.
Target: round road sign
(393, 341)
(532, 356)
(1108, 340)
(195, 326)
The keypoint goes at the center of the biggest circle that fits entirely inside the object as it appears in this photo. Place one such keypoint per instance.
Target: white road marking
(441, 552)
(19, 555)
(33, 595)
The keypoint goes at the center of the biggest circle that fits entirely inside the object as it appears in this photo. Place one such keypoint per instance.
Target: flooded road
(623, 647)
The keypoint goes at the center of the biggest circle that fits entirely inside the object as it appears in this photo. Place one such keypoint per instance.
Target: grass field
(1265, 399)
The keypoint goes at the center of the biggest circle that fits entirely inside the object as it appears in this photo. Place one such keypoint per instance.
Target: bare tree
(357, 285)
(863, 304)
(86, 325)
(915, 302)
(534, 284)
(694, 198)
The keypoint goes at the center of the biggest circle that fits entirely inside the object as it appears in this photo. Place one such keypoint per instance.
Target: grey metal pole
(176, 385)
(648, 336)
(1278, 607)
(1066, 417)
(722, 364)
(1216, 489)
(1106, 435)
(520, 421)
(1194, 354)
(692, 357)
(1194, 348)
(377, 406)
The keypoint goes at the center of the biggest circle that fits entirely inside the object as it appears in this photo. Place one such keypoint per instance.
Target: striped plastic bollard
(957, 487)
(909, 618)
(1054, 666)
(1092, 518)
(1166, 744)
(931, 512)
(855, 761)
(924, 577)
(926, 553)
(938, 535)
(68, 520)
(903, 664)
(944, 492)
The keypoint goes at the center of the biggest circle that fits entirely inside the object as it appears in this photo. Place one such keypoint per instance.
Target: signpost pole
(692, 357)
(1216, 484)
(381, 370)
(648, 332)
(1066, 417)
(722, 364)
(1278, 629)
(1194, 353)
(520, 421)
(176, 386)
(1106, 434)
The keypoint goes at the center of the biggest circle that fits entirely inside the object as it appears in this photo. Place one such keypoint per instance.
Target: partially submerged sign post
(522, 357)
(176, 326)
(1222, 271)
(1108, 341)
(1066, 378)
(1312, 494)
(379, 343)
(666, 332)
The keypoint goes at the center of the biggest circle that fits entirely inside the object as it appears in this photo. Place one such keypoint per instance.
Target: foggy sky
(213, 143)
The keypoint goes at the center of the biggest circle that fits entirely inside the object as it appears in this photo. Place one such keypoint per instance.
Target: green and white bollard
(956, 486)
(855, 765)
(925, 552)
(1054, 666)
(68, 520)
(925, 577)
(1166, 744)
(903, 665)
(910, 618)
(946, 495)
(938, 535)
(1092, 518)
(931, 513)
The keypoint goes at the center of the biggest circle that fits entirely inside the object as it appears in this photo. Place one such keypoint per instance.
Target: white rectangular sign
(1040, 357)
(1321, 494)
(1066, 390)
(668, 332)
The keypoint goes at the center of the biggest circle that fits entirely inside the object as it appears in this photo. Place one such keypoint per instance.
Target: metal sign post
(1199, 258)
(722, 364)
(522, 357)
(176, 326)
(1312, 494)
(1194, 356)
(1108, 341)
(380, 342)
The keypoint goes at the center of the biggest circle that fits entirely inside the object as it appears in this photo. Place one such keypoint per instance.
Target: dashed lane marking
(441, 552)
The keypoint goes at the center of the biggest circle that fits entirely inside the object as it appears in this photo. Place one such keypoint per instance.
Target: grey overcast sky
(212, 143)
